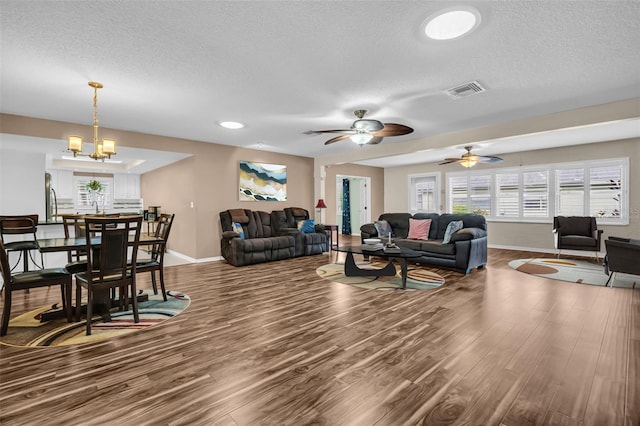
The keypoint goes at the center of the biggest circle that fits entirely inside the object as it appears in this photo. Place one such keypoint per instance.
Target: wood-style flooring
(274, 344)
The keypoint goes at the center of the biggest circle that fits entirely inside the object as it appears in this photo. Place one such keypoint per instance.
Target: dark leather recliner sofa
(466, 250)
(267, 237)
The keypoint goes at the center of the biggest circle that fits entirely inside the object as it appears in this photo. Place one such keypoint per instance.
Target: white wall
(22, 183)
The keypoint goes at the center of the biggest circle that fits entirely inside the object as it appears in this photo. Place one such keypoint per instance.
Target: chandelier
(102, 149)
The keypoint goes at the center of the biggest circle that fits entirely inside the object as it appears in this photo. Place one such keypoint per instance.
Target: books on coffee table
(372, 247)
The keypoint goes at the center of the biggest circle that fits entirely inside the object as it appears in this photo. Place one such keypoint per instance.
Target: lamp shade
(321, 204)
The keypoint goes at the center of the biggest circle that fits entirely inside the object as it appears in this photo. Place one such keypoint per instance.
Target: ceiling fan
(365, 131)
(469, 159)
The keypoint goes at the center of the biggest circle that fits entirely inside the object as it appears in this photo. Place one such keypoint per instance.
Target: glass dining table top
(66, 244)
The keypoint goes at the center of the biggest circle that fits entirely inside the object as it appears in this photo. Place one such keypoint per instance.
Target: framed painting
(263, 182)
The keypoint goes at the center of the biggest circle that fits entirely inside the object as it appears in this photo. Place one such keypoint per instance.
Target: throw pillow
(307, 226)
(237, 228)
(419, 229)
(452, 227)
(383, 228)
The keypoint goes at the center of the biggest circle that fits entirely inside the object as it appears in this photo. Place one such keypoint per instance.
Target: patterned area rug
(417, 278)
(575, 271)
(28, 329)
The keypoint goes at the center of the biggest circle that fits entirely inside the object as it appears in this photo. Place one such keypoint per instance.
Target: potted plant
(95, 193)
(94, 186)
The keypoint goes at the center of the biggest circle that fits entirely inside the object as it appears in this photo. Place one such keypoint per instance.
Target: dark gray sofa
(467, 249)
(267, 237)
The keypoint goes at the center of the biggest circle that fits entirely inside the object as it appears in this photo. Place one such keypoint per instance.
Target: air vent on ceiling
(465, 90)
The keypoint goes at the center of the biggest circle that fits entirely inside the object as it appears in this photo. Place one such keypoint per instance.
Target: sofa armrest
(466, 234)
(368, 230)
(230, 234)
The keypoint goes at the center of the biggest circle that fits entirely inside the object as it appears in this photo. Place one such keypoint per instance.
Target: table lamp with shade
(319, 206)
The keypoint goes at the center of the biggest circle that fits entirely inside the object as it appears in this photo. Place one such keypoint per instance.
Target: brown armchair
(622, 256)
(576, 233)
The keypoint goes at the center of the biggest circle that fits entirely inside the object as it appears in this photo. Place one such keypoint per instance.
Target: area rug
(28, 329)
(417, 278)
(575, 271)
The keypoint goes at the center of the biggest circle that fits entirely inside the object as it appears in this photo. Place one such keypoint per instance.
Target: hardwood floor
(275, 344)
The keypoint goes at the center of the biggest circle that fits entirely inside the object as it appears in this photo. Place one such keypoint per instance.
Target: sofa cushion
(383, 227)
(452, 227)
(399, 224)
(468, 234)
(239, 216)
(419, 228)
(575, 225)
(427, 246)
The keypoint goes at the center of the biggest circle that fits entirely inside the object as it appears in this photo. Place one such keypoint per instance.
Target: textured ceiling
(176, 68)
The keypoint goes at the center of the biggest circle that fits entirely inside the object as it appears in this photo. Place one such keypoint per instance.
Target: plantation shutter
(82, 194)
(458, 200)
(480, 194)
(570, 192)
(508, 191)
(535, 194)
(605, 191)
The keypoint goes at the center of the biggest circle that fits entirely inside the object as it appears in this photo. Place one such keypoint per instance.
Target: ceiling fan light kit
(366, 131)
(469, 159)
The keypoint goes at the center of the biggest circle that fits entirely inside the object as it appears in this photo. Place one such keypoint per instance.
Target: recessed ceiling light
(451, 23)
(231, 124)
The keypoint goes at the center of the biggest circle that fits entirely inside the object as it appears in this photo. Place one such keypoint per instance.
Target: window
(508, 195)
(423, 193)
(591, 188)
(470, 194)
(535, 194)
(82, 200)
(605, 191)
(570, 192)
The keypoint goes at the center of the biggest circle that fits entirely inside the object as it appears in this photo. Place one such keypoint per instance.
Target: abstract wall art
(263, 182)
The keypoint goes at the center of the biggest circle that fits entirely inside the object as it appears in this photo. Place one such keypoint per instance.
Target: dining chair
(108, 265)
(23, 225)
(74, 227)
(156, 261)
(31, 279)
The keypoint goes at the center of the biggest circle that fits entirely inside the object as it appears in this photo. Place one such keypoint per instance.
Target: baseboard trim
(542, 250)
(193, 260)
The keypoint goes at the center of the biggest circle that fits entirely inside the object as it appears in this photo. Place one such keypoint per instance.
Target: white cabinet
(126, 186)
(62, 183)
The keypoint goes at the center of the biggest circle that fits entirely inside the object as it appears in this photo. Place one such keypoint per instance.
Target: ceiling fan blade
(336, 139)
(376, 140)
(393, 129)
(490, 159)
(450, 160)
(346, 131)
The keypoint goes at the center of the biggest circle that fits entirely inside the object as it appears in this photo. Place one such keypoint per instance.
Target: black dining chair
(156, 261)
(31, 279)
(108, 265)
(26, 226)
(74, 227)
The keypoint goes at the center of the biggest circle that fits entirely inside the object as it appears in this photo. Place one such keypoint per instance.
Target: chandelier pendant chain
(101, 148)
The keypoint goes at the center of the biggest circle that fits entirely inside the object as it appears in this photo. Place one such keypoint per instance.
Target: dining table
(61, 244)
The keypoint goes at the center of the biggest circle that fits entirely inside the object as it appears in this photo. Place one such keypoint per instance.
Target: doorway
(359, 197)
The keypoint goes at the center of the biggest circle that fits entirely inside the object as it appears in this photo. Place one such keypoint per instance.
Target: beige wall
(209, 178)
(529, 235)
